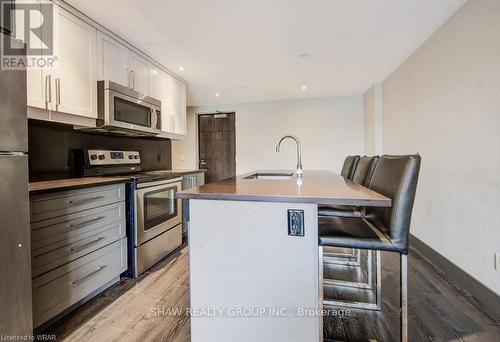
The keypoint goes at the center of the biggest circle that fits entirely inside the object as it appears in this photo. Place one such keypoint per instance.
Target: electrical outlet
(295, 222)
(497, 262)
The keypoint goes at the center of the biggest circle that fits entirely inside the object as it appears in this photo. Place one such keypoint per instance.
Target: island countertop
(318, 186)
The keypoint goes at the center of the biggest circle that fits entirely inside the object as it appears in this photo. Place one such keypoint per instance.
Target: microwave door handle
(154, 118)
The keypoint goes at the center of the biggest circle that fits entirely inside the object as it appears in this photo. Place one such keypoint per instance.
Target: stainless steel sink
(270, 175)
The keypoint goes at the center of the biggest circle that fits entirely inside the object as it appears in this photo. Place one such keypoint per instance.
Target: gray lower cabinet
(189, 181)
(78, 245)
(193, 180)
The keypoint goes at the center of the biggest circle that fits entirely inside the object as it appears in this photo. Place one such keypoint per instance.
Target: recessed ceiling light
(304, 87)
(181, 68)
(217, 94)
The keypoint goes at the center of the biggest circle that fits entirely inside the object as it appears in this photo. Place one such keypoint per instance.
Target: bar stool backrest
(364, 170)
(349, 167)
(395, 177)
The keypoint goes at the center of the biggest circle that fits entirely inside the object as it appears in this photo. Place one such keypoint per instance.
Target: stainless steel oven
(157, 209)
(158, 222)
(124, 111)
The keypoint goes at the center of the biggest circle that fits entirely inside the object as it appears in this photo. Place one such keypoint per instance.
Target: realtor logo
(32, 23)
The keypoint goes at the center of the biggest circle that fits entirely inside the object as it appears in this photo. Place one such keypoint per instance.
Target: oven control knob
(130, 157)
(136, 157)
(93, 156)
(101, 156)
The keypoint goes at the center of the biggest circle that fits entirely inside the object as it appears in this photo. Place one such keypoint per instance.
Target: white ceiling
(249, 50)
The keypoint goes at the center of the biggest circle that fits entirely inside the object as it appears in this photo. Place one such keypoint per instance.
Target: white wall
(329, 129)
(373, 120)
(444, 102)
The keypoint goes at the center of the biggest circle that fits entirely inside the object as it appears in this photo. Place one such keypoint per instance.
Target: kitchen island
(253, 250)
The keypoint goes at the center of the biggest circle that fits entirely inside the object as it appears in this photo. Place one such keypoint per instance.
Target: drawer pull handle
(75, 282)
(85, 223)
(85, 200)
(88, 244)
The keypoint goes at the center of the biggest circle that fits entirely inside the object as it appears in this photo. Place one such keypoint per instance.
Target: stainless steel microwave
(124, 111)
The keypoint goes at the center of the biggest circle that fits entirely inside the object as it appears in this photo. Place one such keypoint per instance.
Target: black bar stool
(349, 167)
(362, 175)
(379, 229)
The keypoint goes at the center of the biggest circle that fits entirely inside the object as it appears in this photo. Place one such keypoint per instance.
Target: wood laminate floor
(132, 309)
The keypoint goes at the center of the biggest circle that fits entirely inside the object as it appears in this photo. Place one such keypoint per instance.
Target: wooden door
(217, 146)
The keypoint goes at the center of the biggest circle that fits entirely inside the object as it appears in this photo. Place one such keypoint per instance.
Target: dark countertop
(319, 187)
(73, 183)
(85, 182)
(187, 172)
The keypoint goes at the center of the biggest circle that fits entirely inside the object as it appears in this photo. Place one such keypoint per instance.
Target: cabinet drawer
(50, 234)
(66, 202)
(45, 261)
(57, 290)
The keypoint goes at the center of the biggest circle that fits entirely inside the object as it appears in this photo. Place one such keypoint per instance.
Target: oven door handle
(159, 185)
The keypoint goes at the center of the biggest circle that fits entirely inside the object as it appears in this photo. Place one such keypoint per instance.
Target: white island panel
(243, 262)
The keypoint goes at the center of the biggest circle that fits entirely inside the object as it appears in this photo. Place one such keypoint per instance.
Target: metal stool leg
(404, 297)
(320, 275)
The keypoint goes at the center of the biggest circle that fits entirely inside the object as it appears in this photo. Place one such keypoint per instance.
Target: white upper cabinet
(159, 90)
(112, 60)
(74, 78)
(38, 80)
(70, 85)
(177, 104)
(139, 73)
(85, 54)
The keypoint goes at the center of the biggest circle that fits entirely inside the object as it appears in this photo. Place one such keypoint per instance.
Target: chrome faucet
(299, 151)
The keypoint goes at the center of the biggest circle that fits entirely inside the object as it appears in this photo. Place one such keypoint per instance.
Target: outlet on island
(295, 222)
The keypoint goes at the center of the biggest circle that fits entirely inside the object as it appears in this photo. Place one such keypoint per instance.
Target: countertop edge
(73, 186)
(284, 199)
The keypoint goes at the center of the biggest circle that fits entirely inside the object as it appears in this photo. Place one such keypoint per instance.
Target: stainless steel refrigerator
(15, 260)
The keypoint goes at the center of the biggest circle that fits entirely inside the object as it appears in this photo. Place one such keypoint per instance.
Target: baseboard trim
(489, 300)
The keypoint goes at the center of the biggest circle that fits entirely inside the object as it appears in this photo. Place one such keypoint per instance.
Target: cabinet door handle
(48, 90)
(58, 91)
(85, 245)
(131, 79)
(85, 223)
(75, 282)
(84, 200)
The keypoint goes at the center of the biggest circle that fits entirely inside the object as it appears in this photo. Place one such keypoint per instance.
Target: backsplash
(53, 150)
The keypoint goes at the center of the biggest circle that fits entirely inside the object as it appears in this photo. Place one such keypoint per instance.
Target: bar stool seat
(351, 232)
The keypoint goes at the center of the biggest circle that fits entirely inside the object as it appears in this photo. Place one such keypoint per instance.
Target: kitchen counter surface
(73, 183)
(319, 187)
(84, 182)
